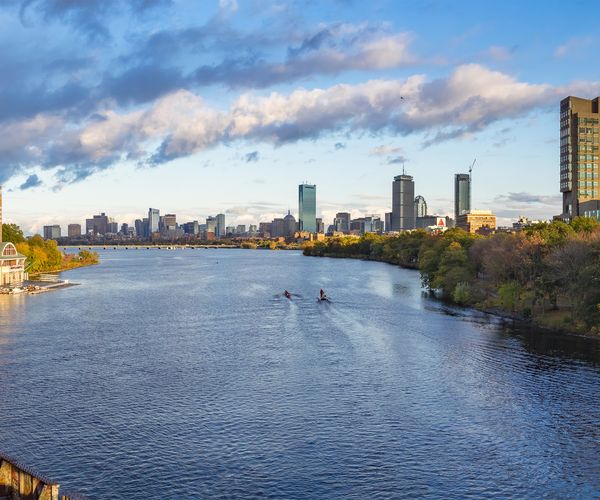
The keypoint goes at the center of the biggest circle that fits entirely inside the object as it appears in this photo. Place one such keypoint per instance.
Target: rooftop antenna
(403, 172)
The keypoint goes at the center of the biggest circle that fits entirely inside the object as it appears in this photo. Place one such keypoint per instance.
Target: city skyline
(215, 107)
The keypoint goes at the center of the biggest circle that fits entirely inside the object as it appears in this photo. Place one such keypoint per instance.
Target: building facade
(74, 230)
(462, 194)
(153, 220)
(579, 151)
(341, 223)
(403, 203)
(420, 206)
(98, 224)
(307, 208)
(12, 265)
(434, 222)
(477, 221)
(290, 226)
(220, 227)
(590, 208)
(51, 232)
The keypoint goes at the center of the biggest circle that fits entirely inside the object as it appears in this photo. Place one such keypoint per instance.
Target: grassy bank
(548, 274)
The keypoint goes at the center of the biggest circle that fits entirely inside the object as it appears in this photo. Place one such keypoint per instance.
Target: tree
(584, 224)
(12, 233)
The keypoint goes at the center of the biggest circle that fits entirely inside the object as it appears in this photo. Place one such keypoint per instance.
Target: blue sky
(199, 107)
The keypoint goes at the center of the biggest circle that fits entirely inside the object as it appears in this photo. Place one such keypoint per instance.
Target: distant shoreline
(514, 317)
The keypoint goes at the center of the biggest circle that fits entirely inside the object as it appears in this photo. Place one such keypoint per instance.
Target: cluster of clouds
(182, 123)
(75, 120)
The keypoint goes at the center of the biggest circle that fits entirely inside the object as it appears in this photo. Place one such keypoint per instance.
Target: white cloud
(385, 149)
(464, 102)
(571, 45)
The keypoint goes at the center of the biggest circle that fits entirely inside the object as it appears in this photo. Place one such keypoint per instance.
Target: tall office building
(220, 228)
(170, 222)
(51, 232)
(403, 203)
(139, 228)
(74, 230)
(420, 206)
(307, 208)
(153, 220)
(112, 227)
(462, 194)
(211, 225)
(579, 143)
(98, 224)
(341, 222)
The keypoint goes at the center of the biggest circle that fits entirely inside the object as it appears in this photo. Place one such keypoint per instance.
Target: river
(187, 374)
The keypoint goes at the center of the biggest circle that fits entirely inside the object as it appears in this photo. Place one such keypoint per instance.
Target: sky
(199, 107)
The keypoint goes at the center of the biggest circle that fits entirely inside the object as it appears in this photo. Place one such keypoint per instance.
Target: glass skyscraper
(462, 194)
(420, 206)
(307, 208)
(153, 220)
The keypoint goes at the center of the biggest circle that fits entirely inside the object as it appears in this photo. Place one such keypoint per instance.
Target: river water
(187, 374)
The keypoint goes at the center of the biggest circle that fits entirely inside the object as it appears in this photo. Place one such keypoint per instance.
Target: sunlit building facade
(579, 151)
(307, 208)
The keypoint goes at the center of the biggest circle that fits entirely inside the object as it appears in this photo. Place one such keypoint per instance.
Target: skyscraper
(403, 203)
(579, 143)
(342, 222)
(153, 220)
(211, 225)
(139, 228)
(170, 222)
(420, 206)
(462, 194)
(98, 224)
(307, 208)
(220, 229)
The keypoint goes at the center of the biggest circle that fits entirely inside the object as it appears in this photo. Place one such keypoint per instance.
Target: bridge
(143, 247)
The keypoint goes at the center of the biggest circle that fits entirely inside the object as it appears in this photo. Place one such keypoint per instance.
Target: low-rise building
(12, 265)
(477, 221)
(590, 208)
(434, 222)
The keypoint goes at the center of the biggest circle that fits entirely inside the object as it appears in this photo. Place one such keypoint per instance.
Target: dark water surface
(185, 374)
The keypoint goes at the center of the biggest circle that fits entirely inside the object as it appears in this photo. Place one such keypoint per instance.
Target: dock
(18, 481)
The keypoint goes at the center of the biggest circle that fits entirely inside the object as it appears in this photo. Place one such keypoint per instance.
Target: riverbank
(545, 276)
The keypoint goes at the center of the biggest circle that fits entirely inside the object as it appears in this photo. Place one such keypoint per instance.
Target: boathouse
(12, 265)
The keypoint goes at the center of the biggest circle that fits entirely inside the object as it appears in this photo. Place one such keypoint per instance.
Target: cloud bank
(182, 123)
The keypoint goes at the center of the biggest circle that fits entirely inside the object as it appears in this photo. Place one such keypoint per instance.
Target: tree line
(549, 272)
(44, 255)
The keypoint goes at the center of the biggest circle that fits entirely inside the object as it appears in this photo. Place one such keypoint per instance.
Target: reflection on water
(188, 374)
(12, 310)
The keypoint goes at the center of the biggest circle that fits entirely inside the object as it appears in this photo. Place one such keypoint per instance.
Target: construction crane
(471, 168)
